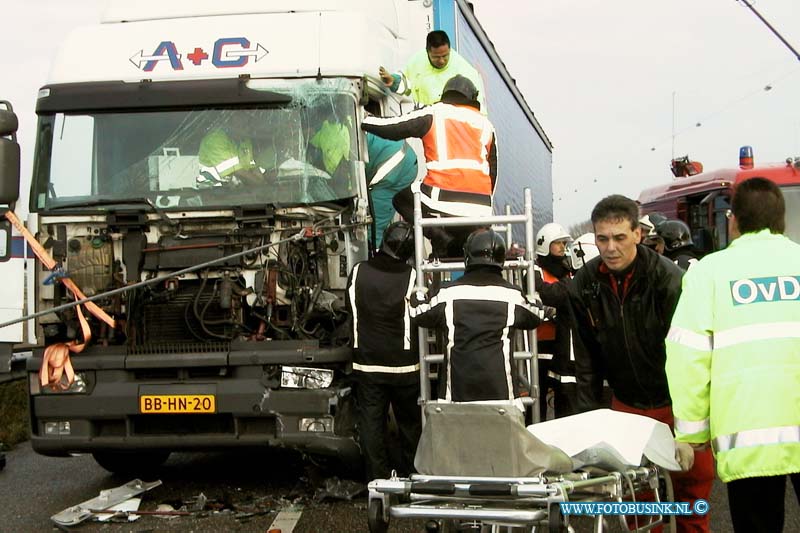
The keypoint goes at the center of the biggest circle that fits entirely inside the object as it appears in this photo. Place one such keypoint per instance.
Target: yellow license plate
(177, 403)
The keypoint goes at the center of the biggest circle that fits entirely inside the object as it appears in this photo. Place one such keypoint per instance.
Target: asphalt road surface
(244, 491)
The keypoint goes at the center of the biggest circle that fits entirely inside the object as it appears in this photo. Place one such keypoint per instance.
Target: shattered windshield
(301, 150)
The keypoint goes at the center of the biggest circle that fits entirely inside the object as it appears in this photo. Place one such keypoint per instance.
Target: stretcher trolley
(481, 470)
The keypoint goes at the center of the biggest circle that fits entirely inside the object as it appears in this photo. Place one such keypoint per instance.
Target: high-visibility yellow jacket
(733, 356)
(220, 157)
(424, 82)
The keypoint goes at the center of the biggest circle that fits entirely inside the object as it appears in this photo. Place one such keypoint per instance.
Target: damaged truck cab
(204, 163)
(171, 137)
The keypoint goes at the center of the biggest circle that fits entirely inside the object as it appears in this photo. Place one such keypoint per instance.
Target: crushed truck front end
(231, 324)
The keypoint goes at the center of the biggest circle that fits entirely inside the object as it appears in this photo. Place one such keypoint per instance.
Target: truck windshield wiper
(118, 201)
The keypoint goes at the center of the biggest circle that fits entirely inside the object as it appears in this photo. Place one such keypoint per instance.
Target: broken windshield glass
(302, 150)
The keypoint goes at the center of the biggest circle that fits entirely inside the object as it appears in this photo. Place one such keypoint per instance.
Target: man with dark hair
(622, 302)
(385, 360)
(428, 70)
(461, 156)
(758, 205)
(733, 355)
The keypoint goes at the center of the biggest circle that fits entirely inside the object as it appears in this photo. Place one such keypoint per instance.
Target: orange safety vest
(457, 150)
(547, 330)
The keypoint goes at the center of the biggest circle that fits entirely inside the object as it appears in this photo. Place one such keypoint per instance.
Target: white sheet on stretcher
(622, 437)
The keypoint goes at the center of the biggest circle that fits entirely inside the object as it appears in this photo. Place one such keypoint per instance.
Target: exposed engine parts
(293, 290)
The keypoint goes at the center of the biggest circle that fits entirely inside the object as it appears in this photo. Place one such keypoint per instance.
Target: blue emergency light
(746, 157)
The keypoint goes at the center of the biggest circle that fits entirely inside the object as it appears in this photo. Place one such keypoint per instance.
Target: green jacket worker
(427, 72)
(733, 358)
(224, 160)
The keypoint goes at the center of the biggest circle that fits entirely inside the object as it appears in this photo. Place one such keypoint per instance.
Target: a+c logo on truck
(228, 52)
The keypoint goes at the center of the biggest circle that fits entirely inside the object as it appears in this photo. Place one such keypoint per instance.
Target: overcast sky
(601, 77)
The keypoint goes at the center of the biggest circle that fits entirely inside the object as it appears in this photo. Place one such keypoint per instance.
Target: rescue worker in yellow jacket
(226, 156)
(733, 358)
(461, 157)
(427, 72)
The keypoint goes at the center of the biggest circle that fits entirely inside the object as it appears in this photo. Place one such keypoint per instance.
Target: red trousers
(689, 486)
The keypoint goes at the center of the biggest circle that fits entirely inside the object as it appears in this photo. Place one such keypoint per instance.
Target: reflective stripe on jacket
(733, 356)
(384, 343)
(457, 150)
(460, 152)
(478, 314)
(223, 156)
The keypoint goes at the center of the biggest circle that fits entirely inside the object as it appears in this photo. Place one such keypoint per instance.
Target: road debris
(124, 509)
(286, 520)
(339, 489)
(106, 499)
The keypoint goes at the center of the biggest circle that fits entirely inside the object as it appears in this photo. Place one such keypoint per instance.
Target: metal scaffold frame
(527, 357)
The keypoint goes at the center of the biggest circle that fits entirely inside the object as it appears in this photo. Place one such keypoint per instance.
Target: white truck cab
(209, 350)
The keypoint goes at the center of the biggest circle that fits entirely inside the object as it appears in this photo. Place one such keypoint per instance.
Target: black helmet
(484, 247)
(676, 235)
(461, 85)
(398, 241)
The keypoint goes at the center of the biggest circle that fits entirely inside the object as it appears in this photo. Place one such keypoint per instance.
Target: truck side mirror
(9, 156)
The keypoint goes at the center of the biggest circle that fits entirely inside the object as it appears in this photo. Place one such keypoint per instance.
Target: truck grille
(169, 319)
(179, 347)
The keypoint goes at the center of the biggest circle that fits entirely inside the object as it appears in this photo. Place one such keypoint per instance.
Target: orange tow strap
(55, 363)
(50, 263)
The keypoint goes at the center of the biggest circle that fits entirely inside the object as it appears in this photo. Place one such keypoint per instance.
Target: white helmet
(583, 249)
(549, 233)
(650, 222)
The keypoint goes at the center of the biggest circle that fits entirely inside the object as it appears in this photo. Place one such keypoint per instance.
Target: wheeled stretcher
(502, 478)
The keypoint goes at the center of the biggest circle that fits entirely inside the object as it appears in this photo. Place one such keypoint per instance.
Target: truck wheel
(375, 519)
(136, 464)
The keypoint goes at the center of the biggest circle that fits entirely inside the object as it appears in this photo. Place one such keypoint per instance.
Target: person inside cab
(226, 155)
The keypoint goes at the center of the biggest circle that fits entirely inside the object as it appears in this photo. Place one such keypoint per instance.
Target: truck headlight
(322, 424)
(52, 429)
(298, 377)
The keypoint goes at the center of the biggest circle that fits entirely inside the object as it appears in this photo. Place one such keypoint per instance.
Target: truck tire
(139, 464)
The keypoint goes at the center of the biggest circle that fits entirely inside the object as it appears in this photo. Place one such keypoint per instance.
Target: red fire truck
(701, 199)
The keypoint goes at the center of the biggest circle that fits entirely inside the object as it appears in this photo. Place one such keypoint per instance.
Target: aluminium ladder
(527, 357)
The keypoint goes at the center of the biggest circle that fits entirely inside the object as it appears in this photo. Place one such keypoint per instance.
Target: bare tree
(576, 230)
